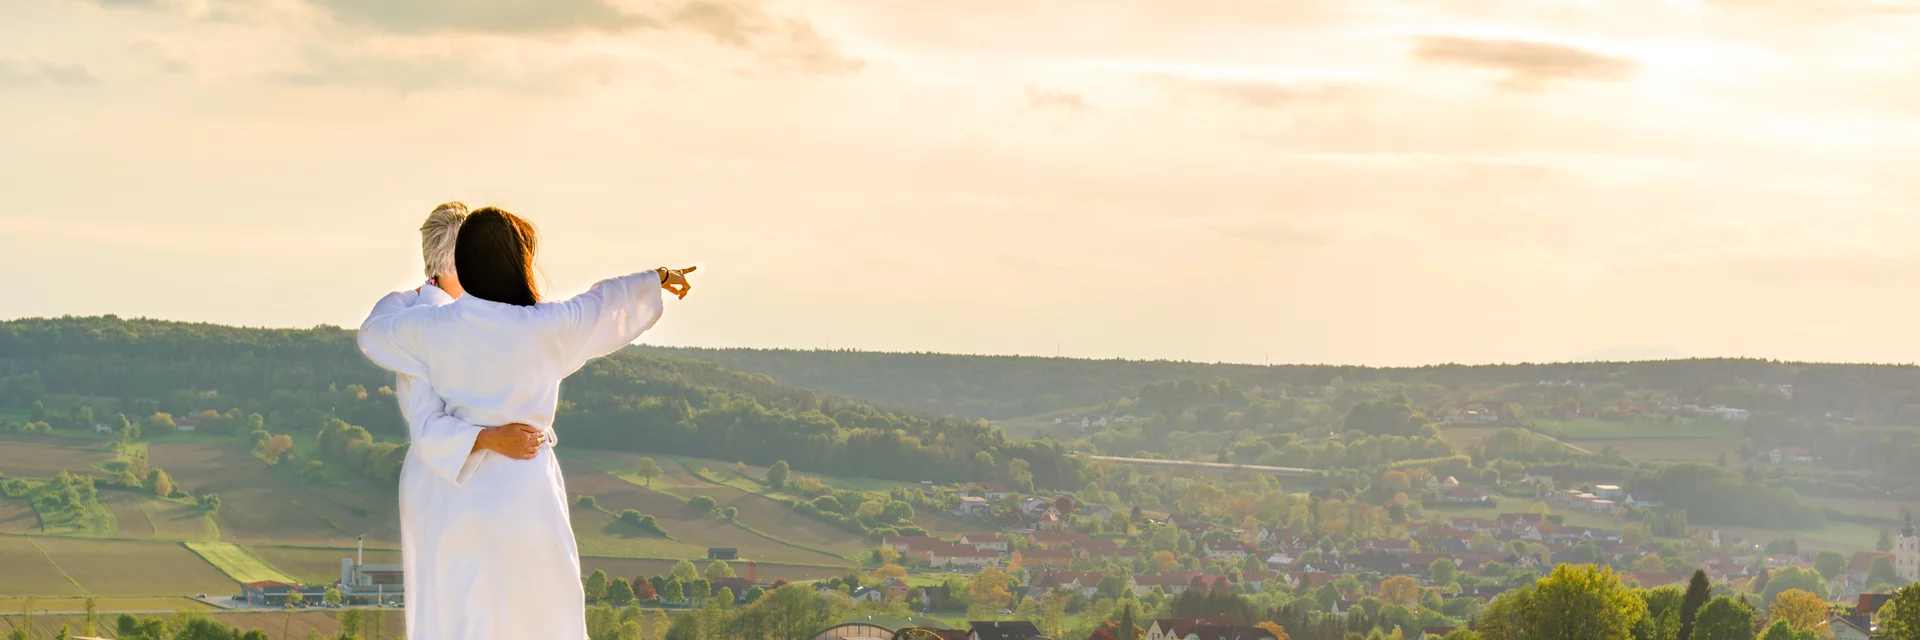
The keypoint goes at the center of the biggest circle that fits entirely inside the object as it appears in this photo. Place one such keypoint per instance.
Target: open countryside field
(296, 626)
(106, 605)
(1460, 437)
(1845, 537)
(1524, 505)
(259, 504)
(24, 456)
(600, 534)
(125, 506)
(1870, 507)
(135, 567)
(1588, 428)
(698, 530)
(1670, 449)
(316, 565)
(766, 571)
(621, 462)
(946, 525)
(174, 520)
(17, 516)
(29, 572)
(235, 561)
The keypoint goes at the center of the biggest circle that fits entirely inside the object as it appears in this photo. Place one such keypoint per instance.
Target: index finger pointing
(688, 269)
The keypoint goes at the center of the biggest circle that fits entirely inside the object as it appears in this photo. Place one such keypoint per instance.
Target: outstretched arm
(609, 316)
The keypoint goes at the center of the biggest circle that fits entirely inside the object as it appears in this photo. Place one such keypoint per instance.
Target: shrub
(701, 503)
(642, 522)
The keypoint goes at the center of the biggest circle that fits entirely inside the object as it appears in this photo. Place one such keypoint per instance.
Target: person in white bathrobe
(487, 539)
(444, 450)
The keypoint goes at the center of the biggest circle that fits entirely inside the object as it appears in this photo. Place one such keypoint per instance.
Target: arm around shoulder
(386, 339)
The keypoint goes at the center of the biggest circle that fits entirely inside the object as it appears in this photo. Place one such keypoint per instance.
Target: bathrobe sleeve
(443, 442)
(607, 317)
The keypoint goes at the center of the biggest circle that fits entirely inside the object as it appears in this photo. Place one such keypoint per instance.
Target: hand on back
(517, 441)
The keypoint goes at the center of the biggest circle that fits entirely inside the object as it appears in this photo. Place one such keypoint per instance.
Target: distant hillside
(999, 387)
(298, 379)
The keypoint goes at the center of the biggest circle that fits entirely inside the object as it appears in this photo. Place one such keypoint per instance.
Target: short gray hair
(437, 236)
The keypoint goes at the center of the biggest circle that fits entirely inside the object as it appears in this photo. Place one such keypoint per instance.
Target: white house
(972, 505)
(1227, 550)
(103, 428)
(1642, 500)
(985, 541)
(1778, 455)
(1608, 491)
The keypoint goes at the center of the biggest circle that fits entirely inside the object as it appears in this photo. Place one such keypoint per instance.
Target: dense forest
(998, 387)
(316, 381)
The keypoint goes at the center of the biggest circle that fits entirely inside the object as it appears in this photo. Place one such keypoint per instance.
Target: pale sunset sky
(1323, 181)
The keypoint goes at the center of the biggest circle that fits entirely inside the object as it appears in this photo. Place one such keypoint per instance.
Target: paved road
(1284, 472)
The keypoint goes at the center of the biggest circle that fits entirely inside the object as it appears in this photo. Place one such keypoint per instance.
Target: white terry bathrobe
(486, 539)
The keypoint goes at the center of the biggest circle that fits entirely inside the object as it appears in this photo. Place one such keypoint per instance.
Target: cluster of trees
(68, 494)
(1713, 495)
(353, 447)
(856, 511)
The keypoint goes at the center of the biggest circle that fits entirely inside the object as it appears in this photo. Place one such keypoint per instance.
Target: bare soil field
(125, 506)
(46, 456)
(28, 572)
(17, 516)
(316, 565)
(136, 567)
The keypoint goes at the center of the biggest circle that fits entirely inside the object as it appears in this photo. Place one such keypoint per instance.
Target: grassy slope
(237, 562)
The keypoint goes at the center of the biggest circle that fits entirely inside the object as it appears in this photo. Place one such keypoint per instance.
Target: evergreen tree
(1699, 590)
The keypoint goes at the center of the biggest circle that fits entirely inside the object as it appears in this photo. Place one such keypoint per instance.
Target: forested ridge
(300, 380)
(998, 387)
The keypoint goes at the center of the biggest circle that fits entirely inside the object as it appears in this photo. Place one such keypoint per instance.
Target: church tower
(1906, 553)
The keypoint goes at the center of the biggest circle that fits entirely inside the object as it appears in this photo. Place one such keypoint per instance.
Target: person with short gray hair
(438, 236)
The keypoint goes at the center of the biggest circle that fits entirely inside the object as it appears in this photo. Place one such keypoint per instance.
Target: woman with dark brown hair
(503, 565)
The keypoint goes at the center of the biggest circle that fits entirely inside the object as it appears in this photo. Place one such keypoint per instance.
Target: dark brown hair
(494, 256)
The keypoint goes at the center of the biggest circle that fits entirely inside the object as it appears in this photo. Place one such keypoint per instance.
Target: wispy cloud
(493, 16)
(20, 72)
(786, 42)
(1530, 65)
(1044, 98)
